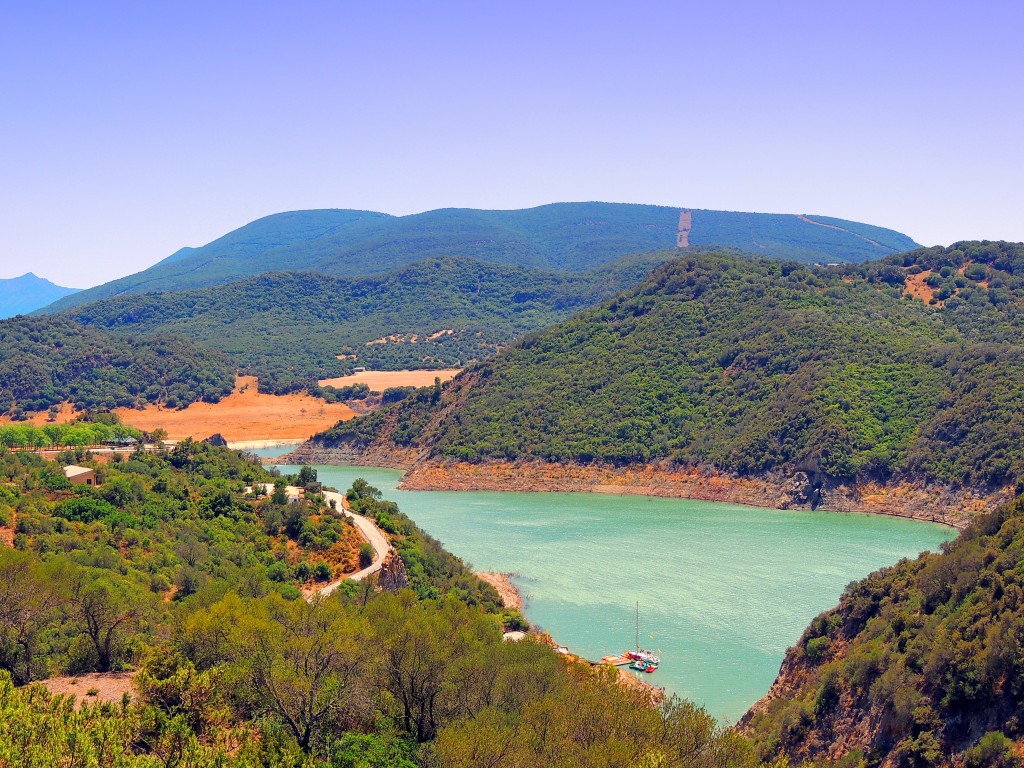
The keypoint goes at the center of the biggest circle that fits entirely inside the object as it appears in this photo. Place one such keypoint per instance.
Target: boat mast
(638, 626)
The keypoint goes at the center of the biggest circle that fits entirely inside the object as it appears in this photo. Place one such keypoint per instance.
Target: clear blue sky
(128, 130)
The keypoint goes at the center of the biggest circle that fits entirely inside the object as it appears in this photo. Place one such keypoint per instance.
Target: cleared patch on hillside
(65, 415)
(244, 415)
(93, 687)
(378, 381)
(919, 289)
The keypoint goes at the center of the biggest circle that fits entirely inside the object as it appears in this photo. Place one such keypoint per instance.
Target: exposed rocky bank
(919, 501)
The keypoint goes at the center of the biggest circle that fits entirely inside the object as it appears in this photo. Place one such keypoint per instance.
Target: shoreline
(244, 445)
(512, 598)
(954, 508)
(510, 595)
(923, 502)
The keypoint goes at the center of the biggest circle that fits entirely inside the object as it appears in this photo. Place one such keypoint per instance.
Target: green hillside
(172, 570)
(574, 237)
(21, 295)
(288, 328)
(46, 361)
(919, 665)
(756, 365)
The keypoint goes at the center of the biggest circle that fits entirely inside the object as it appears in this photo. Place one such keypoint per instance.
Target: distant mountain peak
(21, 295)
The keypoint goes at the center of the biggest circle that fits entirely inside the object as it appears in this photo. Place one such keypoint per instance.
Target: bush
(993, 750)
(365, 555)
(322, 572)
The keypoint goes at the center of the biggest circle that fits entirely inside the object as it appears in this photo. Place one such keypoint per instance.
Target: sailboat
(639, 658)
(639, 654)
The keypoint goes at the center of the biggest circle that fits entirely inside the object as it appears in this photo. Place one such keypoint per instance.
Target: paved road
(373, 534)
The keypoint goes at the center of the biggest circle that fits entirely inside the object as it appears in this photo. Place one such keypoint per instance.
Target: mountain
(573, 237)
(46, 361)
(911, 367)
(21, 295)
(921, 664)
(288, 328)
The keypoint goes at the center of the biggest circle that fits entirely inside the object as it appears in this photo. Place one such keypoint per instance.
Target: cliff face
(921, 664)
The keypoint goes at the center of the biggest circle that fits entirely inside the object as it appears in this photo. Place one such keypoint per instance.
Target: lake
(723, 590)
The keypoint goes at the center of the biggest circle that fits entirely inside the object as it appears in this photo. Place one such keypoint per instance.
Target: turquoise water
(273, 451)
(723, 589)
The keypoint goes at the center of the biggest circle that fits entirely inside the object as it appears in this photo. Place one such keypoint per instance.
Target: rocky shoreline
(954, 507)
(932, 503)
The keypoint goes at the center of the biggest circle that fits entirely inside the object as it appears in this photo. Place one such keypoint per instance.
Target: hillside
(47, 361)
(289, 328)
(21, 295)
(919, 665)
(573, 237)
(755, 366)
(172, 580)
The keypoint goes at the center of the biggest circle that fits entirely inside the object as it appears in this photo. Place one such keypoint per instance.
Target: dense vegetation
(575, 237)
(21, 295)
(757, 365)
(169, 568)
(784, 236)
(78, 433)
(288, 328)
(47, 361)
(919, 664)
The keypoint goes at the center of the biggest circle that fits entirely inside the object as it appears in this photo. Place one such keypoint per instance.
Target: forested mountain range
(45, 361)
(21, 295)
(910, 367)
(574, 237)
(288, 328)
(919, 665)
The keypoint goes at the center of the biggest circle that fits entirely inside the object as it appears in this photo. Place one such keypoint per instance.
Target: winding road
(378, 540)
(373, 534)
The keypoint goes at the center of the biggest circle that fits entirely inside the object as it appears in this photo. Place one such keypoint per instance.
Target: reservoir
(723, 589)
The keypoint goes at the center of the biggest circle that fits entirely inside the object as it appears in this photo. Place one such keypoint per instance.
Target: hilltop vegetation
(168, 568)
(288, 328)
(919, 665)
(573, 237)
(755, 365)
(47, 361)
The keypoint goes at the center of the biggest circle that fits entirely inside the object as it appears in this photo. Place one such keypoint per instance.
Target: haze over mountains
(573, 237)
(20, 295)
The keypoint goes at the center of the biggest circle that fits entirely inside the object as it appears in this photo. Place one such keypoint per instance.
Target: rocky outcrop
(392, 577)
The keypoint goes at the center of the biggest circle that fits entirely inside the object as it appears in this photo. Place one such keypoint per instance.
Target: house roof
(75, 471)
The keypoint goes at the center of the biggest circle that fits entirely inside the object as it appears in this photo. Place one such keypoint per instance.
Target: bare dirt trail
(802, 217)
(685, 227)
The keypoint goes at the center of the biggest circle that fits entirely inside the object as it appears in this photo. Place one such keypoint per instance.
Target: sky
(129, 130)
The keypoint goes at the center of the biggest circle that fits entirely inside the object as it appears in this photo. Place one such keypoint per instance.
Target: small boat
(638, 659)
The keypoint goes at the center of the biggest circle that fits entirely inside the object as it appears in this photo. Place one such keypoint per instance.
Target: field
(244, 416)
(378, 381)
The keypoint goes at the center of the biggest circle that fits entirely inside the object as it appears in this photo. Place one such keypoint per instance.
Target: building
(80, 475)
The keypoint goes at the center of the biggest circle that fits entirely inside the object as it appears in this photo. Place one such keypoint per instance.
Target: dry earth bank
(245, 415)
(378, 381)
(918, 501)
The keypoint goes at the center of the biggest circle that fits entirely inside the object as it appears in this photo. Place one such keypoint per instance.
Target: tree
(27, 606)
(308, 664)
(104, 609)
